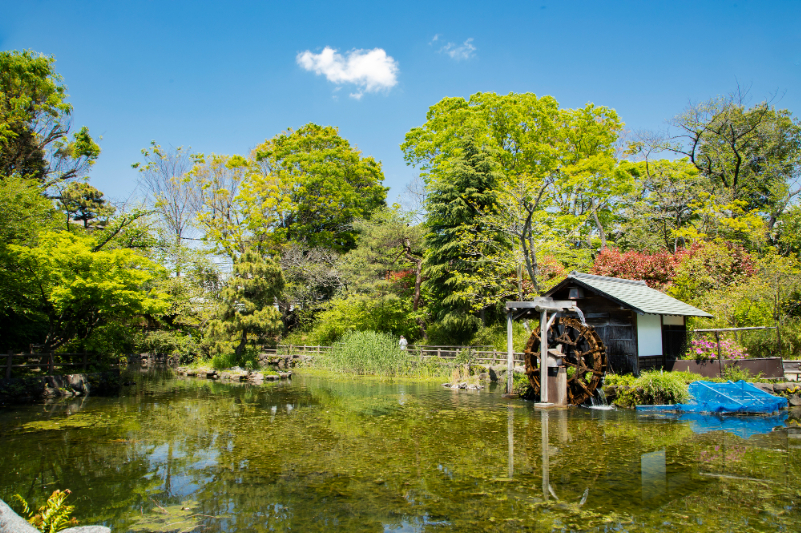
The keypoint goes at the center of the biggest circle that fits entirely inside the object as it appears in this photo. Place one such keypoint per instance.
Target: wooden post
(438, 352)
(720, 362)
(510, 356)
(544, 357)
(8, 364)
(51, 364)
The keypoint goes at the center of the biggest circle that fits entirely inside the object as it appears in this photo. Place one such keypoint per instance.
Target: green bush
(170, 343)
(367, 352)
(495, 336)
(386, 313)
(651, 388)
(249, 358)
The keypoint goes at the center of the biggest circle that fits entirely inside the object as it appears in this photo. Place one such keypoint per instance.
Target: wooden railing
(421, 352)
(48, 362)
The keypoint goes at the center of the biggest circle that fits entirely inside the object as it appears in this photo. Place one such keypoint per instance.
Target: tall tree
(750, 154)
(170, 191)
(36, 120)
(455, 205)
(309, 185)
(249, 300)
(555, 162)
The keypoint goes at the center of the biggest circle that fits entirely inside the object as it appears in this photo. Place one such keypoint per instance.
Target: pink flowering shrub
(705, 350)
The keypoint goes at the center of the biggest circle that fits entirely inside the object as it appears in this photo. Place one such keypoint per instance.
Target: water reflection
(321, 455)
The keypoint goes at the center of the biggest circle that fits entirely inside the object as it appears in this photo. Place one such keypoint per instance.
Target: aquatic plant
(651, 387)
(53, 516)
(367, 352)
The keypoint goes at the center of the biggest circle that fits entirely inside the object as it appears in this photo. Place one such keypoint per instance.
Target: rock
(226, 375)
(87, 529)
(795, 400)
(497, 372)
(782, 387)
(520, 370)
(484, 376)
(212, 374)
(766, 387)
(448, 385)
(472, 387)
(283, 375)
(11, 522)
(463, 385)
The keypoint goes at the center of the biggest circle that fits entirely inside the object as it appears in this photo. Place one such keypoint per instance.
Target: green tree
(455, 205)
(309, 185)
(75, 289)
(84, 203)
(749, 154)
(556, 163)
(35, 122)
(249, 301)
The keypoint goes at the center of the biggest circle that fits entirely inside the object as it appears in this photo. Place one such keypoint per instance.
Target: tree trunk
(600, 227)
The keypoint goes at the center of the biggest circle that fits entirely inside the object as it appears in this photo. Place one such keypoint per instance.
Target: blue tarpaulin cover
(710, 397)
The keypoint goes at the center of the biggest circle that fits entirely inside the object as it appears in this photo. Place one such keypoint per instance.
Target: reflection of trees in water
(361, 455)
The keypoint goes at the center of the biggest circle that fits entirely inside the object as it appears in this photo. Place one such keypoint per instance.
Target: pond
(315, 454)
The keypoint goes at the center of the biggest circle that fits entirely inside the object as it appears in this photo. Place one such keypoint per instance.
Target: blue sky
(223, 77)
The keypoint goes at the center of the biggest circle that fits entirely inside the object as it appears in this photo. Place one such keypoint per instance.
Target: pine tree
(249, 300)
(455, 205)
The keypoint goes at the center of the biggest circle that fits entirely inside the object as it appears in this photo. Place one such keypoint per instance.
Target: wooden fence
(422, 352)
(47, 363)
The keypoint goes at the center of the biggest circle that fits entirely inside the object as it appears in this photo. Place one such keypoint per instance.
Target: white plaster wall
(673, 320)
(649, 335)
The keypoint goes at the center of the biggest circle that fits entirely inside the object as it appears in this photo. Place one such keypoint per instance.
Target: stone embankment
(234, 374)
(474, 377)
(37, 388)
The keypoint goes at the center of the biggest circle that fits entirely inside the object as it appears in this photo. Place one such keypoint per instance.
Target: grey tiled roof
(634, 294)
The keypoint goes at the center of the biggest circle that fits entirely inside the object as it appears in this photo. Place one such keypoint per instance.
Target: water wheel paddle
(580, 348)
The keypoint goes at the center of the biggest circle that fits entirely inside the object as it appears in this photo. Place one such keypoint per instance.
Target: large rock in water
(11, 522)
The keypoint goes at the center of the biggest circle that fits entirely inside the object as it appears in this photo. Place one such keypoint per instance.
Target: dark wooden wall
(617, 328)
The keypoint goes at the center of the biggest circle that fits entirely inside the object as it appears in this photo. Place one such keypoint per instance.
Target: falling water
(599, 401)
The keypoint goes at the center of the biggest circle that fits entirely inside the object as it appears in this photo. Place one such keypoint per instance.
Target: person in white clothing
(403, 343)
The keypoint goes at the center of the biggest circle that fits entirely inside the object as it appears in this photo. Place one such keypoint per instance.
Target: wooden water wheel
(581, 350)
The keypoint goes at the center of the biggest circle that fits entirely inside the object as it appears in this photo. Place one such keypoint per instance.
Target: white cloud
(369, 70)
(464, 51)
(435, 39)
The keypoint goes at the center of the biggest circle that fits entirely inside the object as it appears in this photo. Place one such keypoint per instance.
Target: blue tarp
(710, 397)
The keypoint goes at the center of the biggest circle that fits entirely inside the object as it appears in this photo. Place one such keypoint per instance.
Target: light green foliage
(747, 154)
(735, 373)
(495, 336)
(248, 300)
(221, 212)
(367, 352)
(384, 312)
(24, 211)
(557, 164)
(651, 387)
(75, 289)
(35, 121)
(53, 516)
(309, 185)
(659, 207)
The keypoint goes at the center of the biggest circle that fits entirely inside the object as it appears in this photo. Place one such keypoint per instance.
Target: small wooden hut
(641, 327)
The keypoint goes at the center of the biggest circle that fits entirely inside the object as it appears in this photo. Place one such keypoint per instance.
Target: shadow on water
(313, 454)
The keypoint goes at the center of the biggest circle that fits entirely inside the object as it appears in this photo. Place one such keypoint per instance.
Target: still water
(360, 455)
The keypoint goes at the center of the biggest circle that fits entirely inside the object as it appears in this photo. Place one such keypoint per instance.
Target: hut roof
(635, 295)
